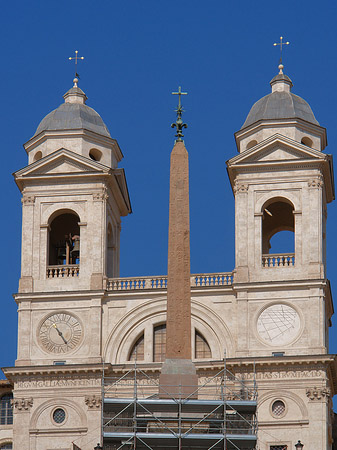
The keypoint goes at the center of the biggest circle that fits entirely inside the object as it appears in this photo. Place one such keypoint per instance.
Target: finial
(179, 122)
(281, 44)
(281, 67)
(76, 58)
(75, 81)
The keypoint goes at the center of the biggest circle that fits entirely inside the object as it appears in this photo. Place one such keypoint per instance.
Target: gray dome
(74, 114)
(280, 104)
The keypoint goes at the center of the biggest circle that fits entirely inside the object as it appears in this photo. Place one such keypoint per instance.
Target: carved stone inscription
(32, 383)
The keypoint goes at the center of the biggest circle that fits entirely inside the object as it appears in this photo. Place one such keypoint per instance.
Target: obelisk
(178, 375)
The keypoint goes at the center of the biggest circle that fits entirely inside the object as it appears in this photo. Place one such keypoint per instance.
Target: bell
(76, 247)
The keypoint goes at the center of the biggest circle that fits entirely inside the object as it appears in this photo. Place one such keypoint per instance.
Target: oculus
(278, 324)
(60, 332)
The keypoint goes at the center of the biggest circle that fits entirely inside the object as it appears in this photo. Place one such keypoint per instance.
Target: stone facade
(77, 319)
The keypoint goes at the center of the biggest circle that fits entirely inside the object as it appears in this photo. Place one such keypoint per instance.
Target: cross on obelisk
(178, 376)
(179, 122)
(281, 44)
(76, 58)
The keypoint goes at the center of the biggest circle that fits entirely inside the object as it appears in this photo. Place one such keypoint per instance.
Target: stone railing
(66, 271)
(160, 282)
(278, 260)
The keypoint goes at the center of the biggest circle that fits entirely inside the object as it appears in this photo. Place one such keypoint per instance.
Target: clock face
(60, 332)
(278, 324)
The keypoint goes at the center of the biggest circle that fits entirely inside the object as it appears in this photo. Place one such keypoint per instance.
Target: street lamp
(299, 445)
(99, 447)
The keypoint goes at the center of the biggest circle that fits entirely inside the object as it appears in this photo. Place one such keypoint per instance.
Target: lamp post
(98, 447)
(299, 445)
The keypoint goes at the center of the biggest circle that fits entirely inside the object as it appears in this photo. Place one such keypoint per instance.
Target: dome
(280, 104)
(74, 114)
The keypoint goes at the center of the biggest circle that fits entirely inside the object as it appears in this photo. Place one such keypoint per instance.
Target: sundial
(278, 324)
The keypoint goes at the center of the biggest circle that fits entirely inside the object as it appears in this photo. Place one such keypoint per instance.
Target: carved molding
(316, 183)
(93, 402)
(318, 393)
(28, 199)
(100, 196)
(240, 187)
(22, 404)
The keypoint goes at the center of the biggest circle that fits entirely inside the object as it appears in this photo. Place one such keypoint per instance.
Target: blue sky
(136, 53)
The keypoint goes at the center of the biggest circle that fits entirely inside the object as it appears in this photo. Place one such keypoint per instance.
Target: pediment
(62, 161)
(277, 149)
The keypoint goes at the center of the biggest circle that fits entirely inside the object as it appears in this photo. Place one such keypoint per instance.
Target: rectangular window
(279, 447)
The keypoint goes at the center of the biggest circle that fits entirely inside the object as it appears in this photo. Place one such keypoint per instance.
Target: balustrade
(66, 271)
(278, 260)
(160, 282)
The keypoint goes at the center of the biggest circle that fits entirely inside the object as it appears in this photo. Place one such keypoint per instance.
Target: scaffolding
(219, 414)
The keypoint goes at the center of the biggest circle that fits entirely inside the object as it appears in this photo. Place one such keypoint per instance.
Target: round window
(59, 415)
(278, 408)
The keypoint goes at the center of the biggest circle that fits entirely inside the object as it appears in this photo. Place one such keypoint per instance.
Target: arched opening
(159, 343)
(110, 252)
(7, 446)
(202, 349)
(64, 240)
(37, 156)
(278, 232)
(307, 141)
(251, 144)
(137, 351)
(95, 154)
(6, 409)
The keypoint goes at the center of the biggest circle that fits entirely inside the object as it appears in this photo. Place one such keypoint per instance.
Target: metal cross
(76, 58)
(180, 94)
(281, 44)
(179, 125)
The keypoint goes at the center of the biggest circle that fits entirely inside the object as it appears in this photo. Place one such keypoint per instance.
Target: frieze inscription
(28, 383)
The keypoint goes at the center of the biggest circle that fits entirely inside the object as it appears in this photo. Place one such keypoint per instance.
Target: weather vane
(281, 44)
(76, 58)
(179, 122)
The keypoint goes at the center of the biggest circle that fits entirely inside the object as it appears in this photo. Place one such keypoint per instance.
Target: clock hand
(59, 333)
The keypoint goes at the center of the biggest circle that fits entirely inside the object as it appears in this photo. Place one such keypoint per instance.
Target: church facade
(77, 319)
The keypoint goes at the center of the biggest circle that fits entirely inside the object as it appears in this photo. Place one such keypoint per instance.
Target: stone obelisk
(178, 375)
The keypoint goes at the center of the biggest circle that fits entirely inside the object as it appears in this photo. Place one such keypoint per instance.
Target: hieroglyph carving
(93, 401)
(318, 393)
(22, 404)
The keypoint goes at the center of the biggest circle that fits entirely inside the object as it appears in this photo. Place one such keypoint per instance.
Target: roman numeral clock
(60, 332)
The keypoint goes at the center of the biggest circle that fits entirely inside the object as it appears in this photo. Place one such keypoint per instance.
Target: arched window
(6, 410)
(306, 141)
(95, 154)
(111, 252)
(64, 240)
(137, 351)
(278, 233)
(277, 216)
(202, 349)
(159, 343)
(251, 144)
(37, 156)
(7, 446)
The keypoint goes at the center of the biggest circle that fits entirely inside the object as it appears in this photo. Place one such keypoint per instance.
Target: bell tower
(282, 181)
(73, 197)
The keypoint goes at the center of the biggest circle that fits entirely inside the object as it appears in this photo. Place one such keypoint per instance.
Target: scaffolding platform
(219, 414)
